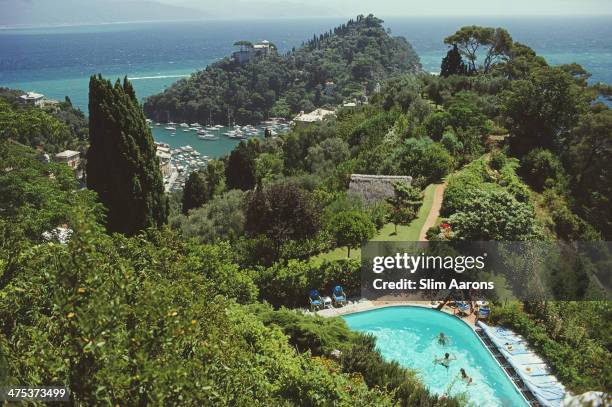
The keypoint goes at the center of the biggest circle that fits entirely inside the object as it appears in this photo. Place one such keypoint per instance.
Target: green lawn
(408, 233)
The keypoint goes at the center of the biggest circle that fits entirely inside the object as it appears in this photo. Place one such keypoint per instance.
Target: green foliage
(268, 168)
(493, 215)
(486, 204)
(452, 63)
(107, 317)
(496, 42)
(220, 219)
(194, 192)
(355, 55)
(542, 110)
(282, 212)
(573, 337)
(422, 158)
(122, 166)
(404, 203)
(542, 169)
(351, 228)
(288, 285)
(35, 128)
(240, 170)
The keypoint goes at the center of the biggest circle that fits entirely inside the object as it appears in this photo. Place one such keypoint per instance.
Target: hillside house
(249, 51)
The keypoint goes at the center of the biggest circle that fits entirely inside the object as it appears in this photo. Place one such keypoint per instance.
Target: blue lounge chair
(463, 307)
(315, 300)
(484, 312)
(338, 296)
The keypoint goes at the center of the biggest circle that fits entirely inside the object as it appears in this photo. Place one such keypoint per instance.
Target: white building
(70, 157)
(32, 99)
(315, 116)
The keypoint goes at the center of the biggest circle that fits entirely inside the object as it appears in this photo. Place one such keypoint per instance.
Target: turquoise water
(408, 335)
(58, 61)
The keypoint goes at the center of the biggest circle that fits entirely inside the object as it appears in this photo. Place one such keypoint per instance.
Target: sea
(58, 61)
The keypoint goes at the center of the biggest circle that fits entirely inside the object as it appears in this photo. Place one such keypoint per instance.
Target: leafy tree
(268, 168)
(240, 170)
(452, 63)
(493, 215)
(122, 166)
(281, 211)
(405, 203)
(195, 192)
(541, 168)
(214, 177)
(220, 219)
(542, 110)
(423, 158)
(496, 43)
(351, 228)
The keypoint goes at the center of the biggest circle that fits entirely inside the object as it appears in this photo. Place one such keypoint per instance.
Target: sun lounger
(315, 300)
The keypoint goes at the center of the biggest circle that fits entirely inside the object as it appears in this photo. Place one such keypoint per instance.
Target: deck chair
(315, 300)
(338, 296)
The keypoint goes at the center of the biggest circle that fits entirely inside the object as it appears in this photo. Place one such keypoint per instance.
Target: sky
(17, 13)
(397, 7)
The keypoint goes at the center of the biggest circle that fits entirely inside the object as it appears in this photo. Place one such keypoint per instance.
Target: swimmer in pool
(442, 339)
(445, 361)
(465, 377)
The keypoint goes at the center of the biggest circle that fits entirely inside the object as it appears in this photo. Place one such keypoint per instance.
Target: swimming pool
(409, 336)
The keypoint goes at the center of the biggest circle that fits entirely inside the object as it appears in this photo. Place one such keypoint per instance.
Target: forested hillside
(355, 57)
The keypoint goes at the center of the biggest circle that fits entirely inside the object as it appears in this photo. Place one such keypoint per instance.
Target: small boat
(211, 128)
(157, 124)
(170, 128)
(186, 130)
(184, 125)
(195, 125)
(208, 137)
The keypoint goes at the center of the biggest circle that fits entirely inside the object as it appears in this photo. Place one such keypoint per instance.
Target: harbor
(189, 146)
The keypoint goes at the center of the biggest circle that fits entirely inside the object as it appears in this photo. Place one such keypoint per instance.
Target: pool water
(409, 335)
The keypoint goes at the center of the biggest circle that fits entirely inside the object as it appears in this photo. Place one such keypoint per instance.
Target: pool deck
(366, 305)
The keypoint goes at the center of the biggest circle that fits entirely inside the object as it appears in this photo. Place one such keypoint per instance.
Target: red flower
(445, 226)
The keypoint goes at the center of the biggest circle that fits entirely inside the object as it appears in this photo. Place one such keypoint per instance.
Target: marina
(213, 141)
(192, 148)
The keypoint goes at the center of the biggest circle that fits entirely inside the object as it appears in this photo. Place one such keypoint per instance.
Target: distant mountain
(24, 13)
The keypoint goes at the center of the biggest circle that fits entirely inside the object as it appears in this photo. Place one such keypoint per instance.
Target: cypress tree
(122, 166)
(452, 63)
(195, 192)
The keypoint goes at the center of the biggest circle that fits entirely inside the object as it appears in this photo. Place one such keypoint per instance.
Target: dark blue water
(59, 61)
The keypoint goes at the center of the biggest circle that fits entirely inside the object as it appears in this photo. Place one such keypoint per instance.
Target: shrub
(541, 169)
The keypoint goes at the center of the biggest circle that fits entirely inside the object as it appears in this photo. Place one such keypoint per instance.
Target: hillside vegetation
(354, 56)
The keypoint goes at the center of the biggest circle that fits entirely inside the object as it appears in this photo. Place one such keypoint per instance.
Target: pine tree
(195, 192)
(452, 63)
(122, 166)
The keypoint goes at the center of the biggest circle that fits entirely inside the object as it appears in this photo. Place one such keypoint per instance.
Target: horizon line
(262, 18)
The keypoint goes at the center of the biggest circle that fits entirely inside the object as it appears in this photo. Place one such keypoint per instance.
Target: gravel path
(434, 212)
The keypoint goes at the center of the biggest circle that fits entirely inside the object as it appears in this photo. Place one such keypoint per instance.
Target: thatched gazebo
(375, 188)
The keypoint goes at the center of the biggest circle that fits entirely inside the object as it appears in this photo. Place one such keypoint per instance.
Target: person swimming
(465, 377)
(445, 361)
(442, 339)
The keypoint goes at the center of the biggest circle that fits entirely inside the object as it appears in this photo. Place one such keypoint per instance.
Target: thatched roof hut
(375, 188)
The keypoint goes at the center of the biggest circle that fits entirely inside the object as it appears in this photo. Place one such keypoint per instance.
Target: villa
(316, 115)
(249, 51)
(70, 157)
(32, 99)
